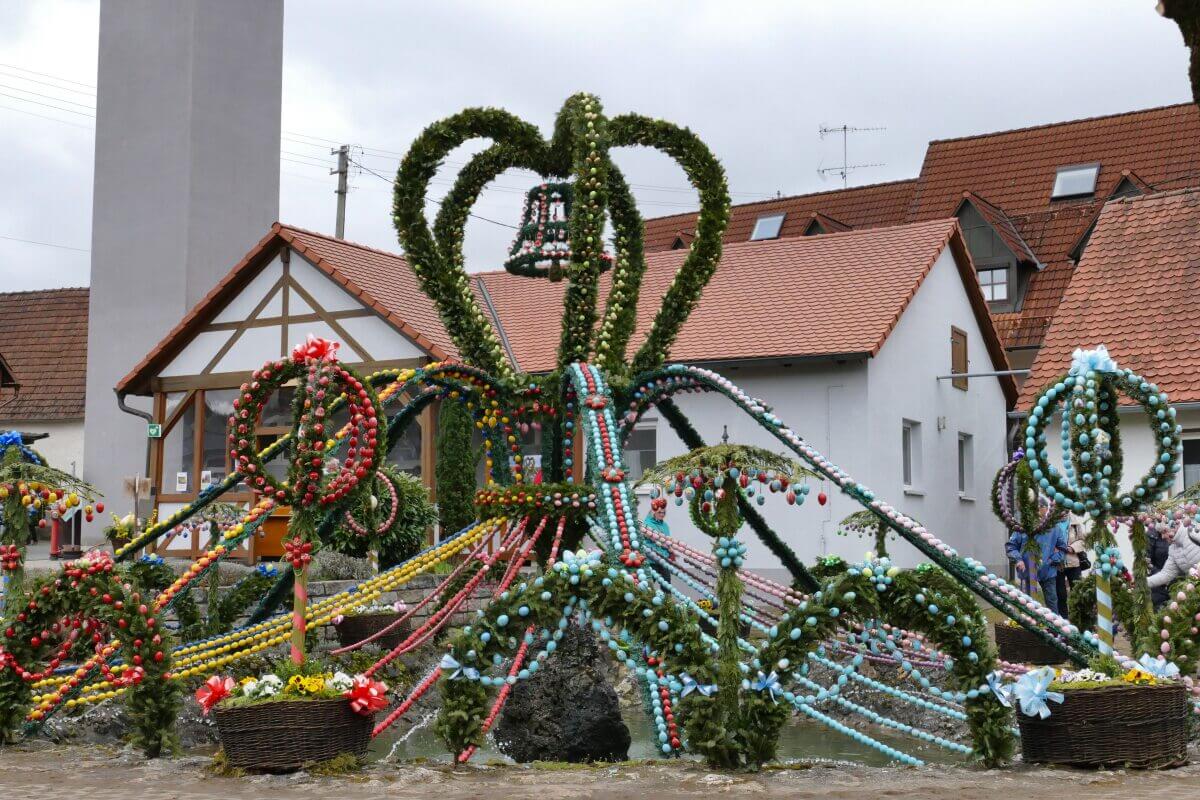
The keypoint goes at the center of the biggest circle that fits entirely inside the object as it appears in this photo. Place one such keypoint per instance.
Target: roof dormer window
(1078, 180)
(767, 227)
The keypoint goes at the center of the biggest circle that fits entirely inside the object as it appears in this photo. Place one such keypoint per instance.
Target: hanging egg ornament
(822, 498)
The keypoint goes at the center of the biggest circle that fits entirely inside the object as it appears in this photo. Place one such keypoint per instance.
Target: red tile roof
(1015, 171)
(43, 336)
(1136, 291)
(382, 281)
(858, 207)
(800, 297)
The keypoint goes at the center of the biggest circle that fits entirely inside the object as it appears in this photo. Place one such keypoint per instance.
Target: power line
(88, 128)
(47, 83)
(47, 75)
(439, 202)
(44, 244)
(47, 96)
(47, 105)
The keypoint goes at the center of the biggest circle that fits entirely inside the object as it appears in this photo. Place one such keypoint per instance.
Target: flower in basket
(267, 685)
(366, 696)
(340, 682)
(213, 691)
(1139, 677)
(1159, 667)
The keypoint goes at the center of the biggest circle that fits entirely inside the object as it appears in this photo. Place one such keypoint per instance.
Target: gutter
(491, 308)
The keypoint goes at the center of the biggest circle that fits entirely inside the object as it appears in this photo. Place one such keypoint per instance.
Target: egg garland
(1088, 397)
(88, 599)
(1015, 480)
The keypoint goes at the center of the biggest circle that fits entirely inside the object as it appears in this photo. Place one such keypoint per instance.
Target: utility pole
(846, 168)
(343, 169)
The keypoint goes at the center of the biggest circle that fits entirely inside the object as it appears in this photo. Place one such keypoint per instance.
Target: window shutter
(958, 357)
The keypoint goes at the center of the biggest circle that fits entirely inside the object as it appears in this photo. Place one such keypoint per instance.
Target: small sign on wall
(181, 482)
(154, 430)
(206, 479)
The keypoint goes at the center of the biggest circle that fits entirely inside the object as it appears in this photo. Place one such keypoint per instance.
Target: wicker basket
(354, 628)
(283, 736)
(1142, 727)
(1021, 646)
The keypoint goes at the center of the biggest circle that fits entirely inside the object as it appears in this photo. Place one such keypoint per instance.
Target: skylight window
(767, 227)
(1075, 181)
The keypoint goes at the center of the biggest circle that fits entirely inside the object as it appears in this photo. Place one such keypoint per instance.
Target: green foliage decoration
(455, 470)
(925, 599)
(90, 592)
(401, 540)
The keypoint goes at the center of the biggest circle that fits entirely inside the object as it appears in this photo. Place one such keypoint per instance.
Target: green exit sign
(154, 430)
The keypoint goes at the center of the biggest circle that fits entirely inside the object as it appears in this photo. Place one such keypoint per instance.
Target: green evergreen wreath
(90, 599)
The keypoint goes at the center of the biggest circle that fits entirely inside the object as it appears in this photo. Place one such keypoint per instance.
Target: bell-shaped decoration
(542, 246)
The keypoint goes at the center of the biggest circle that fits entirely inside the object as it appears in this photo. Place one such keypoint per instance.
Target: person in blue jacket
(1052, 550)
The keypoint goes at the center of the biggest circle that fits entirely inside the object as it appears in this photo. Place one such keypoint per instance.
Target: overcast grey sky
(754, 79)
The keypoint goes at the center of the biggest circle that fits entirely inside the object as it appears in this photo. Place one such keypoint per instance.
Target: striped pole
(373, 560)
(1104, 614)
(299, 611)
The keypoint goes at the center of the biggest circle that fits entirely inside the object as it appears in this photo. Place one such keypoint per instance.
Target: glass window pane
(906, 454)
(406, 455)
(641, 450)
(179, 449)
(1191, 462)
(277, 412)
(1076, 181)
(218, 405)
(172, 403)
(767, 227)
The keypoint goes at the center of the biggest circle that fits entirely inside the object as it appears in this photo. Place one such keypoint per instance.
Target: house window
(1191, 462)
(1075, 181)
(641, 449)
(966, 465)
(910, 454)
(958, 357)
(767, 227)
(994, 282)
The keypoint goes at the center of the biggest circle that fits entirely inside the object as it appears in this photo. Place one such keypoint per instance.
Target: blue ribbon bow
(1002, 690)
(768, 684)
(1158, 667)
(448, 663)
(1032, 692)
(1097, 360)
(690, 685)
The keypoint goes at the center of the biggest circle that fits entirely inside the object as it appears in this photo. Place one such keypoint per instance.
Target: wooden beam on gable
(330, 320)
(231, 380)
(242, 326)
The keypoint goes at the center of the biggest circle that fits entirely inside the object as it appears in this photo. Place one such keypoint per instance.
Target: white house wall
(63, 449)
(240, 307)
(823, 403)
(903, 384)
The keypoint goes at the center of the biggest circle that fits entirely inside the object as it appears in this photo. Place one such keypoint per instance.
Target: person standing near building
(1075, 562)
(1052, 550)
(656, 521)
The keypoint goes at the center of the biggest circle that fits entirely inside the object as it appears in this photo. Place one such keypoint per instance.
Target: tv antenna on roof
(846, 168)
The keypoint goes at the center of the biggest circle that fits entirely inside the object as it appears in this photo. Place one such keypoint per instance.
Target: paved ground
(46, 772)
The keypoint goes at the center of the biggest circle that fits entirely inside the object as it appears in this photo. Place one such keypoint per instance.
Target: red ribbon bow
(315, 347)
(367, 696)
(213, 691)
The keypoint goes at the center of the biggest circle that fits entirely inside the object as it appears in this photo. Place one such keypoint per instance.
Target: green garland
(90, 589)
(925, 599)
(1177, 637)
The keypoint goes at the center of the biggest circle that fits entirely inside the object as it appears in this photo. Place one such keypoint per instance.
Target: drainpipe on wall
(146, 415)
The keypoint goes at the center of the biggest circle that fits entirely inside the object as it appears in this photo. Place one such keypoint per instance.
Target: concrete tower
(187, 180)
